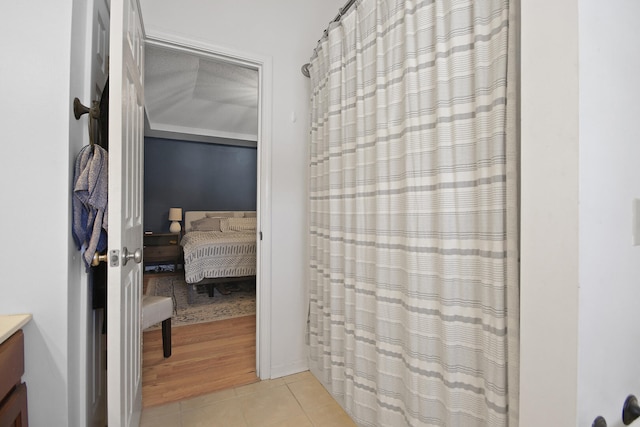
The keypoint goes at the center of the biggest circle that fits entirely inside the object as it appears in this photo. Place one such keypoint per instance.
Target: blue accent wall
(196, 176)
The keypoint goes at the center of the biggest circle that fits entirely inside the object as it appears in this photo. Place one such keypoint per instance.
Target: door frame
(263, 64)
(88, 382)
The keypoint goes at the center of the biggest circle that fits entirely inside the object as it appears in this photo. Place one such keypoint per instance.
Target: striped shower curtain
(413, 294)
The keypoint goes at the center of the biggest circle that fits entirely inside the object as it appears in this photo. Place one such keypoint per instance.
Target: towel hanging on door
(90, 201)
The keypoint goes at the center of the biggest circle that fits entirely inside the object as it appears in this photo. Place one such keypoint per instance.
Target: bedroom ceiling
(198, 98)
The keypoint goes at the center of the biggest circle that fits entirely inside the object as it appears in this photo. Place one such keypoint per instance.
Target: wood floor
(206, 357)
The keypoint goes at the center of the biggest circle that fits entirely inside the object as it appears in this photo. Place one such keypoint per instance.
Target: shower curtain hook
(305, 70)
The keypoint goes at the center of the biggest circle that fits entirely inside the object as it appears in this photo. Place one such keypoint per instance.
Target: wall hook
(630, 410)
(79, 110)
(94, 114)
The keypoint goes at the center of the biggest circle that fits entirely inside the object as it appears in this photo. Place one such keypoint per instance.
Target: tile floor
(295, 401)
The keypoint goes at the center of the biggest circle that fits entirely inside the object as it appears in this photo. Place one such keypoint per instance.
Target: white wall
(286, 31)
(609, 337)
(549, 214)
(35, 171)
(580, 147)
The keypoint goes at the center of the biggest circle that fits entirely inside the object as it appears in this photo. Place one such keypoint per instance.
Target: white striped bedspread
(214, 254)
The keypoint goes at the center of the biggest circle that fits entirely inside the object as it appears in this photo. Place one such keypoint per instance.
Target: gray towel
(90, 201)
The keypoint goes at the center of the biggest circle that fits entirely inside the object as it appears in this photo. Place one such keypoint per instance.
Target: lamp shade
(175, 214)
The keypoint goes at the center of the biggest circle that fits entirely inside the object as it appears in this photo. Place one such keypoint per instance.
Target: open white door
(124, 283)
(97, 73)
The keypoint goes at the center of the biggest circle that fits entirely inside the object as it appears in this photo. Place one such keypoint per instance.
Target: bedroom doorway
(202, 131)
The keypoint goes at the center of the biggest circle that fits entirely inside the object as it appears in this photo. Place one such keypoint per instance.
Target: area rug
(192, 303)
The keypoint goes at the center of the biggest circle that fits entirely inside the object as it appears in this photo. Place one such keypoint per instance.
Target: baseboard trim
(289, 369)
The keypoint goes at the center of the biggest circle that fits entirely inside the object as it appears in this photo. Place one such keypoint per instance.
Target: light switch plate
(635, 215)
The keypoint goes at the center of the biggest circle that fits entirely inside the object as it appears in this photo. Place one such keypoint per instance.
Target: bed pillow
(206, 224)
(237, 224)
(219, 214)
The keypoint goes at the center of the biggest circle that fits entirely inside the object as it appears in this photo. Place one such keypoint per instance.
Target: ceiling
(199, 98)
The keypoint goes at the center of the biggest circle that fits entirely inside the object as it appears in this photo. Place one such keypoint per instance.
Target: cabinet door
(13, 412)
(11, 362)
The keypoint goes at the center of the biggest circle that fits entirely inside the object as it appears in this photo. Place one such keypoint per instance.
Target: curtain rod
(341, 12)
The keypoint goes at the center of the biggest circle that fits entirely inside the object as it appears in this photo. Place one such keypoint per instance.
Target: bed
(219, 245)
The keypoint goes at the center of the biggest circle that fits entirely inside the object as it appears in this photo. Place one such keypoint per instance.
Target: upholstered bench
(157, 309)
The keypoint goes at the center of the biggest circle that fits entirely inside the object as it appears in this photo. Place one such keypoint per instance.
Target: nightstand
(162, 248)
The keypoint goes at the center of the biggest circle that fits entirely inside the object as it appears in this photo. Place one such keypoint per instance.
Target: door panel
(97, 69)
(124, 291)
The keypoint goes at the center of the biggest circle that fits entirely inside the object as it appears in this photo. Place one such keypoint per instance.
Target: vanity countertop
(11, 323)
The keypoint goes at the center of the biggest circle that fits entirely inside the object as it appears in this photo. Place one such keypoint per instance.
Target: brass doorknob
(97, 259)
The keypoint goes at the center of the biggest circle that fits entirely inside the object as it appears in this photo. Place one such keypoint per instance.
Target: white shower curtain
(413, 317)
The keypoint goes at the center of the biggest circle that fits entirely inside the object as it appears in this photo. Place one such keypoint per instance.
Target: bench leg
(166, 337)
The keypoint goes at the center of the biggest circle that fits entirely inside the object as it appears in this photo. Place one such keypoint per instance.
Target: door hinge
(261, 235)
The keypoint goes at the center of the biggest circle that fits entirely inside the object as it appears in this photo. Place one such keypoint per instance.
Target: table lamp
(175, 216)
